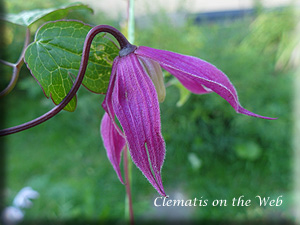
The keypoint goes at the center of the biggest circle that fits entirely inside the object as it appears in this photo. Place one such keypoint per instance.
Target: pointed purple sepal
(113, 143)
(136, 106)
(196, 75)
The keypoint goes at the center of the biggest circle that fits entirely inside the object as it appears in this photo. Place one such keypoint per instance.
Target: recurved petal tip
(113, 143)
(197, 75)
(246, 112)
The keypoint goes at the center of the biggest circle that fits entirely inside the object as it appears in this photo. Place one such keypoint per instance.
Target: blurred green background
(212, 152)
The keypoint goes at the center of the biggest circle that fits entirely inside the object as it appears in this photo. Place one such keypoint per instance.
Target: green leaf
(54, 59)
(27, 18)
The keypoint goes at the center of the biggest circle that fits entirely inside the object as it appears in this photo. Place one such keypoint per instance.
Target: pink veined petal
(113, 143)
(195, 73)
(190, 85)
(136, 106)
(107, 103)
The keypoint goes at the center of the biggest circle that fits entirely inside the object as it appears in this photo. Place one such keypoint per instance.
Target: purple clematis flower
(133, 96)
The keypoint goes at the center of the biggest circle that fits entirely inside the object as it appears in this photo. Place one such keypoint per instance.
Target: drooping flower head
(135, 89)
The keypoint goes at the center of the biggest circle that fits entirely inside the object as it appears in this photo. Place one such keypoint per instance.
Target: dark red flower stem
(125, 48)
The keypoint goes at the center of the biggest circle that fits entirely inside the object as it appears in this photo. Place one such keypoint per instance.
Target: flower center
(127, 50)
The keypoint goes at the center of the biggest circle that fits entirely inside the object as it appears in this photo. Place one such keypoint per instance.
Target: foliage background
(211, 151)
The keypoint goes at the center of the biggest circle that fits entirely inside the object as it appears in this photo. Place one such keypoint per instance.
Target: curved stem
(27, 42)
(16, 67)
(124, 44)
(7, 63)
